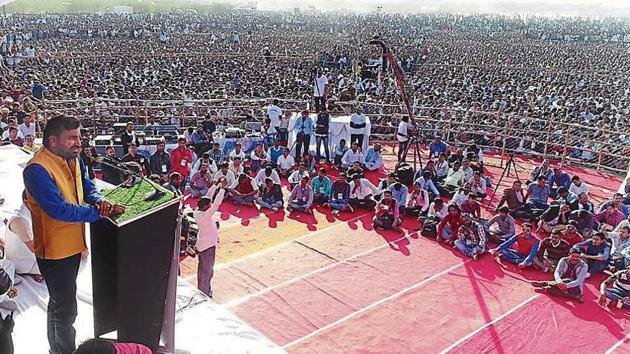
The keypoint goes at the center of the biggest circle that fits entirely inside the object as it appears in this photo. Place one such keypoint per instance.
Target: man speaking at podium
(62, 200)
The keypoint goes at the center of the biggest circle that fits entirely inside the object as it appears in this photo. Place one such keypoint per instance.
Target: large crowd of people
(469, 75)
(557, 87)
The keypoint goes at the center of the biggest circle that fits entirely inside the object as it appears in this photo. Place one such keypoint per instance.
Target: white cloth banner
(339, 128)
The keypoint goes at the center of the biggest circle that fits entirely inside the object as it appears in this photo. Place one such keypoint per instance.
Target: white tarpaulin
(202, 326)
(339, 128)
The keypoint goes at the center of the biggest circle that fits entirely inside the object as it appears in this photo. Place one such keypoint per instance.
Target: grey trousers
(205, 270)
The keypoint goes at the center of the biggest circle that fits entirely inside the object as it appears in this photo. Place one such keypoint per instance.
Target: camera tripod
(510, 165)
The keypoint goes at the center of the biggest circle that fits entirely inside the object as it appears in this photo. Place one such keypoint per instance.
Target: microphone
(121, 166)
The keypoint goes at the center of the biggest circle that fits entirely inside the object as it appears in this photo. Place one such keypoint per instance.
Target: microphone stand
(151, 196)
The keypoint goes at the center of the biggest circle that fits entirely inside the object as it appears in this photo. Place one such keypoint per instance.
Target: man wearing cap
(569, 278)
(133, 157)
(303, 127)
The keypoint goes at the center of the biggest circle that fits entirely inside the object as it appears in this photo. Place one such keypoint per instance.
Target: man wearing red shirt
(448, 227)
(181, 159)
(520, 249)
(571, 235)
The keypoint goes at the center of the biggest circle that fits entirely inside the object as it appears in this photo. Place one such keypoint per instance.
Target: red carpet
(346, 288)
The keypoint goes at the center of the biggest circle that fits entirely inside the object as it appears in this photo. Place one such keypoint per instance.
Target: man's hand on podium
(107, 209)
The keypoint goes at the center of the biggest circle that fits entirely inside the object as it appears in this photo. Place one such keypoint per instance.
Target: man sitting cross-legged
(471, 238)
(552, 249)
(200, 182)
(616, 288)
(523, 253)
(243, 191)
(339, 199)
(569, 278)
(501, 226)
(301, 198)
(270, 195)
(321, 187)
(361, 192)
(386, 212)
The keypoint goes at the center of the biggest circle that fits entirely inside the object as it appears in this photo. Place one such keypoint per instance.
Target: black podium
(134, 272)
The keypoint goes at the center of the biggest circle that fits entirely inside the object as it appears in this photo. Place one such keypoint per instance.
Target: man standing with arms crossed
(62, 199)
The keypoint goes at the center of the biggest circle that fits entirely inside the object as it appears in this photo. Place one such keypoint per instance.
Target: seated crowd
(562, 230)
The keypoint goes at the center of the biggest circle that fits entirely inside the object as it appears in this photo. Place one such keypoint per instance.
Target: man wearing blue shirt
(304, 128)
(558, 179)
(374, 158)
(538, 194)
(595, 251)
(426, 183)
(437, 147)
(399, 194)
(62, 199)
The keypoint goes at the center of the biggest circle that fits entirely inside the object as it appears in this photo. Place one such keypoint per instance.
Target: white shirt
(357, 119)
(583, 188)
(401, 134)
(211, 167)
(351, 157)
(440, 214)
(454, 178)
(208, 235)
(478, 188)
(366, 188)
(234, 154)
(235, 184)
(5, 135)
(274, 113)
(319, 89)
(229, 176)
(261, 176)
(296, 176)
(286, 163)
(235, 170)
